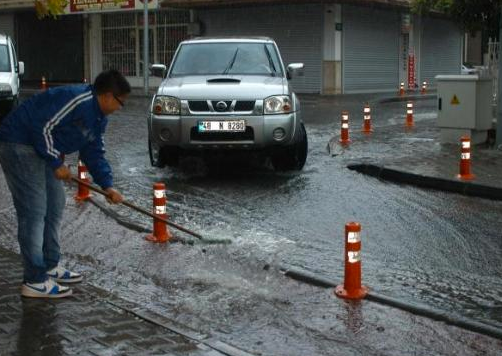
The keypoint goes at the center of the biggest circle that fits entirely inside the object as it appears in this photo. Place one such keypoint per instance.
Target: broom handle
(137, 208)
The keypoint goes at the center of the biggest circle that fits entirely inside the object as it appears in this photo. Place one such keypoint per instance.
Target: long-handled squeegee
(146, 212)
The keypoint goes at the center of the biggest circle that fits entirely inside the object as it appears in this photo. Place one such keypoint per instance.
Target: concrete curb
(448, 185)
(414, 308)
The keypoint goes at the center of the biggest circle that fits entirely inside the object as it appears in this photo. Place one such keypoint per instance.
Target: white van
(10, 71)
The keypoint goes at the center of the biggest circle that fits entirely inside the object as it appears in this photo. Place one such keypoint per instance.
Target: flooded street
(422, 246)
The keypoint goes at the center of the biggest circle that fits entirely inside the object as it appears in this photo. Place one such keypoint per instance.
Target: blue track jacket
(60, 121)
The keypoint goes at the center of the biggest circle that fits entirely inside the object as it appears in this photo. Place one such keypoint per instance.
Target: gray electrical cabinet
(464, 107)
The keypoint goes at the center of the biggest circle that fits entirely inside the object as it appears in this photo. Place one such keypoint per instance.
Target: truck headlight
(5, 88)
(279, 104)
(166, 105)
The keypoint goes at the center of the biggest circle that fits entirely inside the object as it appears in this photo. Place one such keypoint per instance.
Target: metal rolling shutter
(370, 49)
(7, 25)
(441, 49)
(297, 29)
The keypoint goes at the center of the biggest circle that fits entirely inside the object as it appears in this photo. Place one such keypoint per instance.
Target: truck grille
(247, 135)
(203, 106)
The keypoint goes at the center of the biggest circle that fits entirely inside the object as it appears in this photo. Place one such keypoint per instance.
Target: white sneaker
(47, 289)
(62, 275)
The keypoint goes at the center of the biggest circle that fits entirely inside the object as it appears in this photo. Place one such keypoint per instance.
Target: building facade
(347, 47)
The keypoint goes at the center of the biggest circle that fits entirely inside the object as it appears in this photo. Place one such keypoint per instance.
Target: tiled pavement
(91, 322)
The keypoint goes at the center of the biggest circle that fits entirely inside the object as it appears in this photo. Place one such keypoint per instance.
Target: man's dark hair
(111, 81)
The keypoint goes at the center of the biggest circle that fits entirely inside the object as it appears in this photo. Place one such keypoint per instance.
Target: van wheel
(293, 157)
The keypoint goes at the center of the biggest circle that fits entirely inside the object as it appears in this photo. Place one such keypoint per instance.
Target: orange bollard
(344, 132)
(43, 85)
(424, 88)
(367, 119)
(401, 89)
(352, 288)
(409, 114)
(160, 231)
(465, 159)
(83, 192)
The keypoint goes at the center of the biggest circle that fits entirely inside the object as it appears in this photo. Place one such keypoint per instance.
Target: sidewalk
(91, 322)
(417, 157)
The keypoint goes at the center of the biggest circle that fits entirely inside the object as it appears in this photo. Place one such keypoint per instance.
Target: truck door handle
(440, 103)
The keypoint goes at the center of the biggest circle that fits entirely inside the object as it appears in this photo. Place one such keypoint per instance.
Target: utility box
(464, 107)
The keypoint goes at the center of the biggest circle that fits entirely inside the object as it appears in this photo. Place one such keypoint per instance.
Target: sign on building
(88, 6)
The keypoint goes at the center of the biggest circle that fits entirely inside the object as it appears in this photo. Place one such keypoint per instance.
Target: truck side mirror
(20, 68)
(294, 69)
(158, 70)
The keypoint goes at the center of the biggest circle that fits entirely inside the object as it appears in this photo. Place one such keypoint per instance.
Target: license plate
(222, 126)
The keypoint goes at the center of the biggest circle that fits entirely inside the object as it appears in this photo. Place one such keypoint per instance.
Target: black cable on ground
(135, 227)
(417, 309)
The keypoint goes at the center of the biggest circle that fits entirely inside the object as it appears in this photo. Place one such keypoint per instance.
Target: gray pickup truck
(227, 94)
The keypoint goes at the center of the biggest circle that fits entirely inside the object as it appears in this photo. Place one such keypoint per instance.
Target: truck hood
(224, 87)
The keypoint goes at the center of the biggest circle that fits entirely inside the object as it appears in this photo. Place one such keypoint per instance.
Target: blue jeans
(39, 200)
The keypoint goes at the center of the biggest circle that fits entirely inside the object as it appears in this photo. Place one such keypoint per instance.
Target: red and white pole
(83, 192)
(424, 88)
(409, 114)
(367, 119)
(401, 89)
(43, 84)
(344, 132)
(465, 159)
(160, 231)
(352, 288)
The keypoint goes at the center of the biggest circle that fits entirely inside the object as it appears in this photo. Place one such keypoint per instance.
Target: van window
(4, 59)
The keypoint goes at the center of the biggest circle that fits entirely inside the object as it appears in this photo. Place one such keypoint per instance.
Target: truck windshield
(4, 59)
(230, 58)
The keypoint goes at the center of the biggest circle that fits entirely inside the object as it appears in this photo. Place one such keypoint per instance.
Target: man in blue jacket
(33, 141)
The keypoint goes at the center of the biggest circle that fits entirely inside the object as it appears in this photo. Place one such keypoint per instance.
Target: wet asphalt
(424, 246)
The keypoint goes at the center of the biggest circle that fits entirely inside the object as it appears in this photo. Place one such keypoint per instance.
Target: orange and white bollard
(465, 159)
(43, 84)
(401, 89)
(83, 192)
(367, 119)
(344, 132)
(409, 114)
(424, 88)
(160, 231)
(352, 288)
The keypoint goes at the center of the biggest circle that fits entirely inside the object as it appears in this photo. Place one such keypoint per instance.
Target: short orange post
(401, 89)
(160, 231)
(367, 119)
(344, 132)
(83, 192)
(424, 88)
(409, 114)
(352, 288)
(465, 159)
(43, 84)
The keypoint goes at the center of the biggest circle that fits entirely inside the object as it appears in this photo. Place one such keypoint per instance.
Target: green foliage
(50, 7)
(471, 15)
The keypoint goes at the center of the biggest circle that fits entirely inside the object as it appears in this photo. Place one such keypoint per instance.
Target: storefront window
(122, 36)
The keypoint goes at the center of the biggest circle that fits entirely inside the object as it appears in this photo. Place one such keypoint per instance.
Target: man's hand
(62, 172)
(113, 197)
